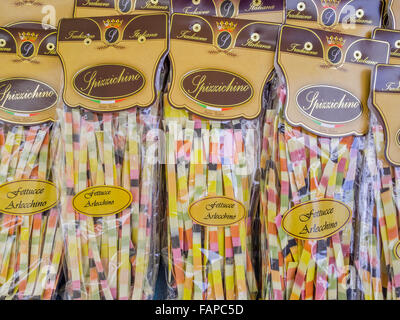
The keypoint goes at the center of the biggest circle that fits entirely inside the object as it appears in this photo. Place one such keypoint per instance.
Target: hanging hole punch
(154, 2)
(255, 37)
(257, 3)
(357, 55)
(301, 6)
(50, 46)
(196, 2)
(142, 39)
(308, 46)
(397, 44)
(360, 13)
(87, 41)
(2, 43)
(196, 27)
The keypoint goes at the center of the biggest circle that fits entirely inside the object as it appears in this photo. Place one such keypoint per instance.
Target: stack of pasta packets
(110, 174)
(313, 151)
(378, 261)
(31, 242)
(212, 152)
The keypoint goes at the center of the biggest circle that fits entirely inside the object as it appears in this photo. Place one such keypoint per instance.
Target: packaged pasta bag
(393, 14)
(31, 243)
(212, 119)
(310, 178)
(378, 262)
(90, 8)
(47, 12)
(260, 10)
(355, 17)
(110, 175)
(393, 37)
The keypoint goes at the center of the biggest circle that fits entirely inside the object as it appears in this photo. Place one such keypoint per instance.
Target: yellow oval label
(27, 197)
(217, 211)
(396, 250)
(101, 201)
(315, 220)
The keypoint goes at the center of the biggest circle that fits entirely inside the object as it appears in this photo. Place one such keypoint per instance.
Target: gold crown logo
(28, 36)
(113, 23)
(335, 41)
(226, 26)
(330, 3)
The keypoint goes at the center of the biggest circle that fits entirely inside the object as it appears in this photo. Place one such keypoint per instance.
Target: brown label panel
(28, 44)
(98, 8)
(31, 76)
(357, 17)
(394, 14)
(49, 12)
(9, 42)
(26, 95)
(385, 98)
(111, 63)
(260, 10)
(320, 69)
(31, 25)
(393, 38)
(202, 86)
(329, 104)
(108, 82)
(220, 66)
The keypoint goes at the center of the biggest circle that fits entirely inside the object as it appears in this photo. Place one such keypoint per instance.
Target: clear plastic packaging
(31, 242)
(116, 256)
(378, 198)
(303, 167)
(378, 260)
(110, 173)
(311, 165)
(212, 154)
(208, 158)
(31, 246)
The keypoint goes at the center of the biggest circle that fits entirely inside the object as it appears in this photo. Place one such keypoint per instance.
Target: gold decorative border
(217, 197)
(285, 215)
(107, 64)
(218, 70)
(107, 214)
(38, 211)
